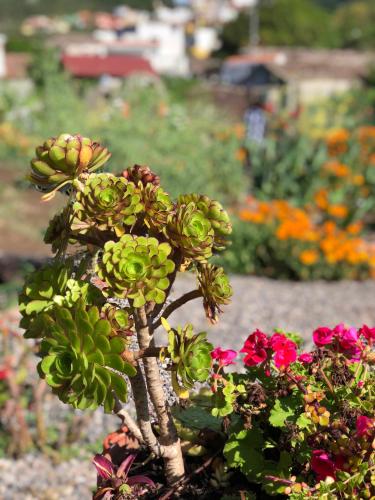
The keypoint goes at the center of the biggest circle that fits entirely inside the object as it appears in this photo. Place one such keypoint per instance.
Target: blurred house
(14, 69)
(112, 65)
(297, 76)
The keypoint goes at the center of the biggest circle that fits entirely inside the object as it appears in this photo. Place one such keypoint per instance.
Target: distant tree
(355, 23)
(296, 23)
(283, 23)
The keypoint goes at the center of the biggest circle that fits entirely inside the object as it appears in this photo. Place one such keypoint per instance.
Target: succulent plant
(189, 230)
(59, 230)
(158, 206)
(190, 355)
(80, 360)
(141, 174)
(136, 267)
(215, 213)
(49, 286)
(120, 320)
(216, 289)
(60, 160)
(106, 202)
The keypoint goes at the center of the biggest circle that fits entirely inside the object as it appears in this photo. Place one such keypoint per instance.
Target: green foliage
(354, 23)
(80, 360)
(295, 22)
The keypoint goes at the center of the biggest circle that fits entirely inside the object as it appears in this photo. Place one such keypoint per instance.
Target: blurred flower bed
(303, 200)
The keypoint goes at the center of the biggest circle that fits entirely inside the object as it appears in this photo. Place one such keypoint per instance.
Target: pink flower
(4, 373)
(224, 357)
(348, 338)
(349, 342)
(368, 333)
(285, 350)
(323, 336)
(364, 425)
(322, 465)
(255, 348)
(306, 358)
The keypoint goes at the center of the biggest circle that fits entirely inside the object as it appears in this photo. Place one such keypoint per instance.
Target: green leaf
(114, 361)
(102, 327)
(283, 409)
(119, 386)
(129, 370)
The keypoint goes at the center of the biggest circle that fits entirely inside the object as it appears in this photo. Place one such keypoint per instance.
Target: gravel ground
(268, 304)
(257, 303)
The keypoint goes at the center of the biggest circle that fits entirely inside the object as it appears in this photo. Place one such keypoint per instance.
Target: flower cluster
(307, 245)
(304, 421)
(261, 349)
(350, 341)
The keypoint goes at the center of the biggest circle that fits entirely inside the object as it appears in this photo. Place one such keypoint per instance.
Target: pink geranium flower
(285, 350)
(368, 333)
(255, 348)
(348, 338)
(306, 358)
(348, 341)
(323, 336)
(322, 465)
(364, 425)
(223, 357)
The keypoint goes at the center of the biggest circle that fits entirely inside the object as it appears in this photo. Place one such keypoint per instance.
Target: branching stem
(193, 294)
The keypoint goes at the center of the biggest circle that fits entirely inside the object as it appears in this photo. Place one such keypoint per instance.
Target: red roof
(113, 65)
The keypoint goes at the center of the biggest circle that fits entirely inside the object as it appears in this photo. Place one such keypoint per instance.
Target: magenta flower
(306, 358)
(224, 357)
(285, 350)
(255, 348)
(364, 425)
(348, 338)
(322, 465)
(323, 336)
(368, 333)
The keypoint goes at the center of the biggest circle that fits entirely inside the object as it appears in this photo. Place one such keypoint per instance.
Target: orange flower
(242, 155)
(355, 228)
(239, 130)
(358, 180)
(321, 199)
(338, 211)
(309, 257)
(163, 109)
(337, 141)
(337, 169)
(251, 216)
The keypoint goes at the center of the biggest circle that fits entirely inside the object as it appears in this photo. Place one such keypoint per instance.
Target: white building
(3, 69)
